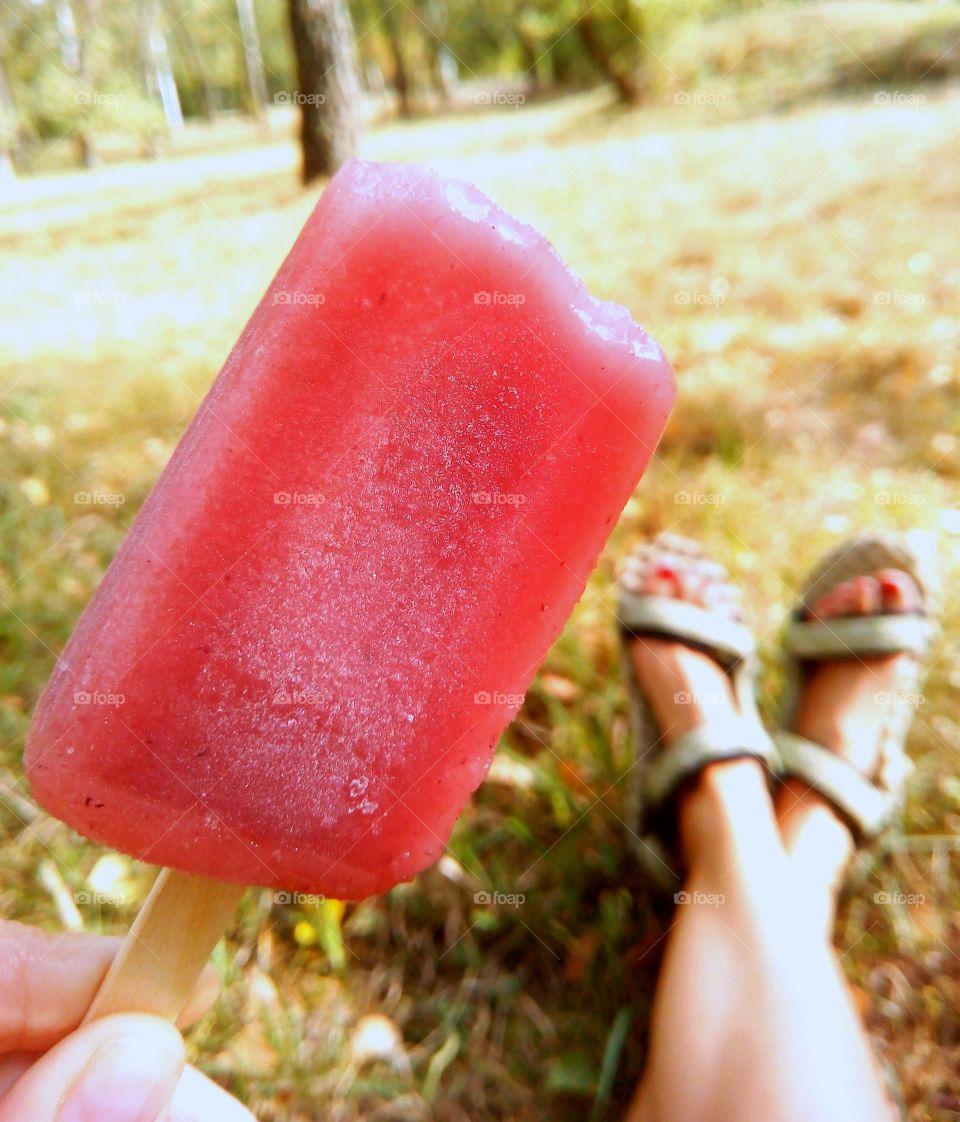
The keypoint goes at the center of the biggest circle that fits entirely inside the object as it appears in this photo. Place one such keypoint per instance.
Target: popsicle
(296, 669)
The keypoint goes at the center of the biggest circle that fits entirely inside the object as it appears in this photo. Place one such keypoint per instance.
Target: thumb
(118, 1069)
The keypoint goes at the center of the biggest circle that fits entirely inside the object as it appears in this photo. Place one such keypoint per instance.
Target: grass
(778, 54)
(801, 271)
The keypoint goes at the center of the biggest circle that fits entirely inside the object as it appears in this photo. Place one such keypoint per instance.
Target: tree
(76, 34)
(613, 38)
(252, 57)
(401, 71)
(329, 93)
(159, 81)
(8, 123)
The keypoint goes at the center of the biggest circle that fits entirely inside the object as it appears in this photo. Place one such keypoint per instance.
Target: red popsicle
(297, 666)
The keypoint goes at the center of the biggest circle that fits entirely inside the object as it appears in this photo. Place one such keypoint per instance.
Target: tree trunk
(329, 93)
(158, 73)
(9, 125)
(627, 81)
(196, 64)
(401, 74)
(75, 56)
(531, 53)
(252, 56)
(443, 67)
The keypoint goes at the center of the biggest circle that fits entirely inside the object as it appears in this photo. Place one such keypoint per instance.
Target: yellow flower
(305, 934)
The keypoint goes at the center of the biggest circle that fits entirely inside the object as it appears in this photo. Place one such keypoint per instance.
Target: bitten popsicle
(297, 666)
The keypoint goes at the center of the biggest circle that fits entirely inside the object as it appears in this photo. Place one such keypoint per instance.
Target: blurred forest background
(770, 188)
(91, 81)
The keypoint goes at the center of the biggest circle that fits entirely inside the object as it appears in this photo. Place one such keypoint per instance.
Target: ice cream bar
(297, 666)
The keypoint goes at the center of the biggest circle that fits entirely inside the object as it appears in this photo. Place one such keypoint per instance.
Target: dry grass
(778, 54)
(802, 272)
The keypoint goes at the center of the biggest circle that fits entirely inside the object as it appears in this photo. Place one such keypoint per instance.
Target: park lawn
(801, 270)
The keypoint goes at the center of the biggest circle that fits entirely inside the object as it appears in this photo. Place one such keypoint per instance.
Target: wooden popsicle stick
(167, 947)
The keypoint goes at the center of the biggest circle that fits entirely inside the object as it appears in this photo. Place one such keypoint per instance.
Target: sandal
(658, 772)
(868, 802)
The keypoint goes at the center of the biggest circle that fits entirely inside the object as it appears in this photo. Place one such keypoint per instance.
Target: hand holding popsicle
(380, 518)
(123, 1069)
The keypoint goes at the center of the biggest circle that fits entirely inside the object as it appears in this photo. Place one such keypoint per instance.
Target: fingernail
(664, 572)
(128, 1079)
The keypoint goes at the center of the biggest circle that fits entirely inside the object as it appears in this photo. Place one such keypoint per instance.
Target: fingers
(118, 1069)
(196, 1099)
(199, 1099)
(47, 982)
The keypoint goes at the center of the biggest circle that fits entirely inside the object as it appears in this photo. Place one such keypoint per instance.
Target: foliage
(434, 53)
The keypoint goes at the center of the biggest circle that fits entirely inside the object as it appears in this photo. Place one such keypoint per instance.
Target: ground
(801, 270)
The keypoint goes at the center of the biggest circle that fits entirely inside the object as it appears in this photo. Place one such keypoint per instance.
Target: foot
(724, 816)
(687, 688)
(844, 706)
(846, 702)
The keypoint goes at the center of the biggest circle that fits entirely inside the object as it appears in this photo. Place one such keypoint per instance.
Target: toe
(692, 585)
(660, 580)
(713, 570)
(676, 567)
(847, 598)
(865, 596)
(722, 598)
(898, 591)
(827, 606)
(887, 590)
(633, 582)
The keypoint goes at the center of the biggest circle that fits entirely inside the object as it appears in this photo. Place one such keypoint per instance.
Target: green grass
(802, 273)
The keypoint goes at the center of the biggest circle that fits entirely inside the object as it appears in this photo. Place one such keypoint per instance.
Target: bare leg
(752, 1021)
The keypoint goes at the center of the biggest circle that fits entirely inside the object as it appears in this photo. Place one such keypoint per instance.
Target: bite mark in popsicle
(339, 589)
